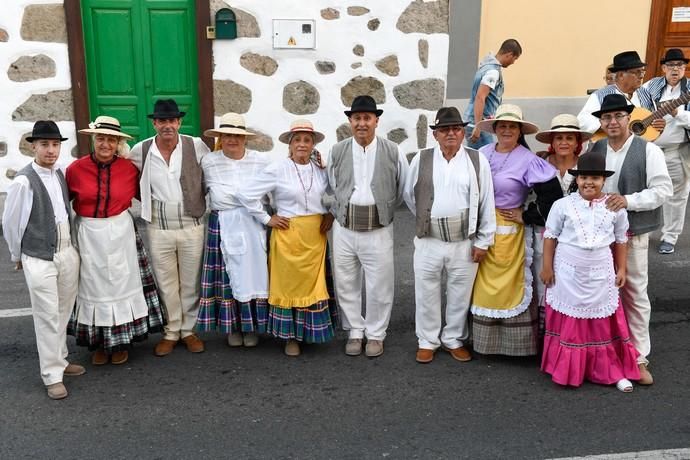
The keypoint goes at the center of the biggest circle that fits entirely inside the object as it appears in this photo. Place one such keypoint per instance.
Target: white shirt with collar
(659, 186)
(19, 203)
(160, 180)
(452, 188)
(674, 131)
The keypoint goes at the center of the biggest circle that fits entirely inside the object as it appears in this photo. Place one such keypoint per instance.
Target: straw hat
(105, 125)
(230, 123)
(563, 123)
(508, 112)
(301, 126)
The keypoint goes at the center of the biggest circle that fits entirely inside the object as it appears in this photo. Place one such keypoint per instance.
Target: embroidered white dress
(585, 278)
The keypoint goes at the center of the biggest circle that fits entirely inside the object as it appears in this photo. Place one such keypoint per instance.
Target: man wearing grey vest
(173, 202)
(674, 141)
(367, 175)
(450, 191)
(37, 227)
(640, 184)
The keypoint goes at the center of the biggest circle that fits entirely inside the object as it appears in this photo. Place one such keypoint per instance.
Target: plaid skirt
(217, 307)
(514, 336)
(121, 337)
(316, 323)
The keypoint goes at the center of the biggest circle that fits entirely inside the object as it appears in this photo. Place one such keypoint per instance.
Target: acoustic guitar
(641, 119)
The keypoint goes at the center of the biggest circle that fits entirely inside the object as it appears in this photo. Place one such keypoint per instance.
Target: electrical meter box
(294, 33)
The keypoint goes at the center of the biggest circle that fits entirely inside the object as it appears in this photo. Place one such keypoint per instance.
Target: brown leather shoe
(459, 354)
(119, 357)
(374, 348)
(164, 347)
(292, 348)
(193, 343)
(56, 391)
(72, 370)
(99, 357)
(424, 355)
(645, 376)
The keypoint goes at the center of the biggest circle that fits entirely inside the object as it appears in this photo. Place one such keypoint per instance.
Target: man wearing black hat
(450, 191)
(173, 202)
(367, 174)
(37, 228)
(630, 71)
(640, 184)
(674, 142)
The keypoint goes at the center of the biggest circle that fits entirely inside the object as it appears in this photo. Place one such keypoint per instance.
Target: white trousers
(674, 207)
(371, 253)
(431, 257)
(176, 258)
(52, 290)
(634, 295)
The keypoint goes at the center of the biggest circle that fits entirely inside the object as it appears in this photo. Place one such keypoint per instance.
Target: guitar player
(629, 70)
(674, 142)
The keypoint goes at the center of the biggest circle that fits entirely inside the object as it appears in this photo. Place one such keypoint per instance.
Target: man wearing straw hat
(675, 142)
(37, 227)
(640, 184)
(173, 203)
(367, 174)
(450, 191)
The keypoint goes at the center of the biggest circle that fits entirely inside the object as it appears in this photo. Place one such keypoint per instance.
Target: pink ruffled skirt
(598, 350)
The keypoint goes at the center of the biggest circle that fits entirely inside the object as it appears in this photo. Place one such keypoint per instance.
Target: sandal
(624, 385)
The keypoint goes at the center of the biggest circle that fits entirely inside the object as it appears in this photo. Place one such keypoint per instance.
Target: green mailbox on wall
(226, 24)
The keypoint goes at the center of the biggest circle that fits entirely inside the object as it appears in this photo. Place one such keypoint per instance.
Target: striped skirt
(217, 307)
(121, 337)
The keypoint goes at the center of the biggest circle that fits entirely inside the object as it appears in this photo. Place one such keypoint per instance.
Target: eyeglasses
(608, 118)
(675, 65)
(637, 73)
(447, 129)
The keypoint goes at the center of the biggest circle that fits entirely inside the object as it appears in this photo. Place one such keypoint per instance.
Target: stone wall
(394, 50)
(34, 79)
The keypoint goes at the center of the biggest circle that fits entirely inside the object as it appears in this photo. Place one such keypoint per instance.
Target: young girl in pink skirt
(585, 252)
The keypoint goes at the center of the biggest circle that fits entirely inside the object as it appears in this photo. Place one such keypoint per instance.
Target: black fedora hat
(364, 104)
(674, 54)
(447, 116)
(591, 164)
(165, 109)
(613, 103)
(626, 60)
(45, 129)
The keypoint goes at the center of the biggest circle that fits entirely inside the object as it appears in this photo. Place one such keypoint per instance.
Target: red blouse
(102, 189)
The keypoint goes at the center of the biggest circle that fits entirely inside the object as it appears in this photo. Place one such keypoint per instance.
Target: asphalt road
(260, 404)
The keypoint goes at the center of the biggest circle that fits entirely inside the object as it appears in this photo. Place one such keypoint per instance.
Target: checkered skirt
(121, 337)
(316, 323)
(217, 307)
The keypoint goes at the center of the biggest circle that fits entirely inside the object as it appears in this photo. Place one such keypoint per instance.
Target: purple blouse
(515, 173)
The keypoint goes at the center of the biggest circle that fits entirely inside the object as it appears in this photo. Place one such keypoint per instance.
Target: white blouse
(297, 190)
(586, 224)
(225, 176)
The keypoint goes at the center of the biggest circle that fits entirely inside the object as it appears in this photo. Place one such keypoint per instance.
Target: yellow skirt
(297, 263)
(500, 288)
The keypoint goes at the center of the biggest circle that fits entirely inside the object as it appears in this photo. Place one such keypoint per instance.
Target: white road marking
(12, 312)
(665, 454)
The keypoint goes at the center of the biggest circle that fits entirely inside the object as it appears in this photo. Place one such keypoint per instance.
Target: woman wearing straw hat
(117, 301)
(565, 140)
(502, 321)
(234, 278)
(301, 303)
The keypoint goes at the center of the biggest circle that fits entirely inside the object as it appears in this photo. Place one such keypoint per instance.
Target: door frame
(77, 64)
(656, 42)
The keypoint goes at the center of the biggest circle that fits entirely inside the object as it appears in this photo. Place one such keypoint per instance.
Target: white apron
(110, 289)
(243, 244)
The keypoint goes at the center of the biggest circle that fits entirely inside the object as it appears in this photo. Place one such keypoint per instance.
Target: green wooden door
(138, 51)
